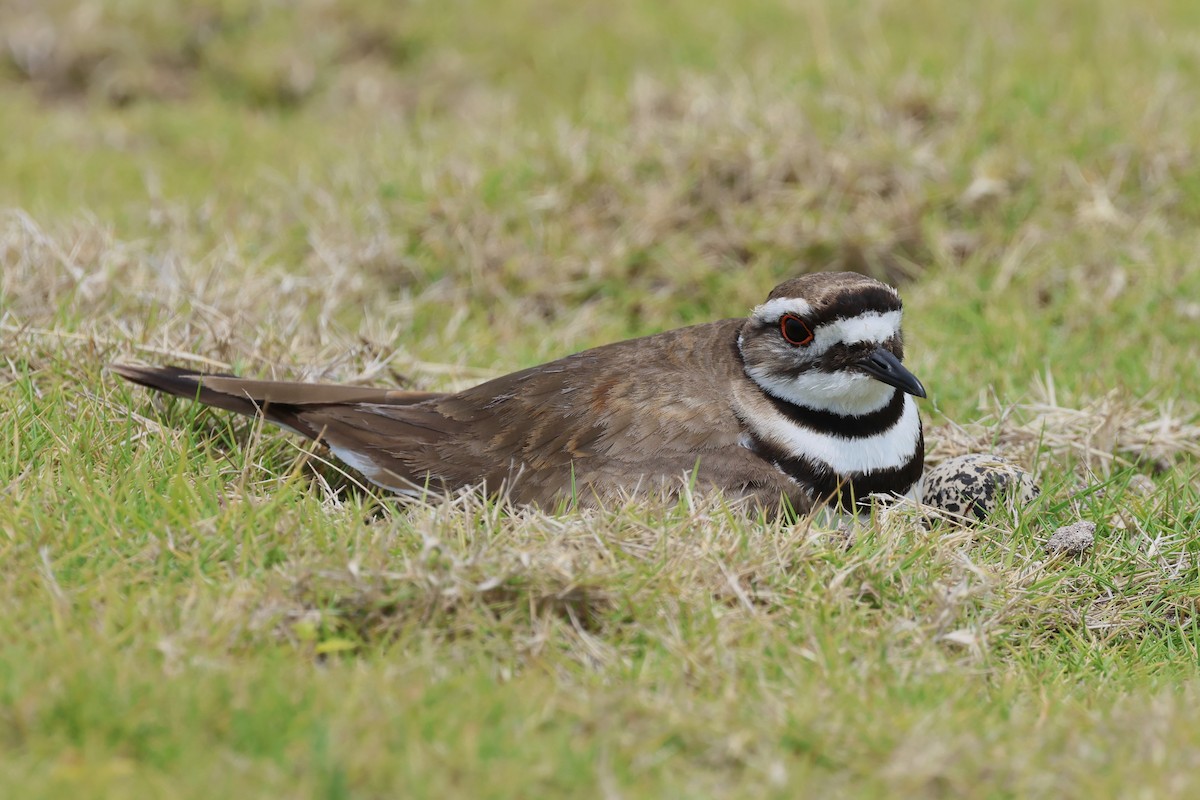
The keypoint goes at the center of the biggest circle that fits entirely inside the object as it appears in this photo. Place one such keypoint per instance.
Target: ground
(426, 194)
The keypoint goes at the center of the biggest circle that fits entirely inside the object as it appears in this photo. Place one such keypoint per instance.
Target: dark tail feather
(281, 402)
(187, 384)
(370, 429)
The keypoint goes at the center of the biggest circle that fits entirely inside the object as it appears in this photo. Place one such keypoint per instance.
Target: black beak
(884, 366)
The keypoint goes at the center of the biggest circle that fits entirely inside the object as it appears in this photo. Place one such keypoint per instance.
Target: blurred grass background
(430, 192)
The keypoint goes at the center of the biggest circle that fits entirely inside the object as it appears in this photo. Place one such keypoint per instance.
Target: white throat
(845, 393)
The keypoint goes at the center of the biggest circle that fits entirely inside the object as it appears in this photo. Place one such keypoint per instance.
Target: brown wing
(626, 417)
(600, 424)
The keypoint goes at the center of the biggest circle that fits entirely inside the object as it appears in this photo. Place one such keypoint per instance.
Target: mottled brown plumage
(643, 415)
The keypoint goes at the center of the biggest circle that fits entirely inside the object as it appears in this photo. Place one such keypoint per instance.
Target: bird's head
(829, 341)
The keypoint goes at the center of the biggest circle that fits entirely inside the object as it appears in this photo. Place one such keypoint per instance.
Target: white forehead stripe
(870, 326)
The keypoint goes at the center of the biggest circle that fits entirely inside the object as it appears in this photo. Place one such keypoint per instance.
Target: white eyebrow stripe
(772, 310)
(870, 326)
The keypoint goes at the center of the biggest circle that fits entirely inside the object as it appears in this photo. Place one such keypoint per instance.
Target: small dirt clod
(1072, 539)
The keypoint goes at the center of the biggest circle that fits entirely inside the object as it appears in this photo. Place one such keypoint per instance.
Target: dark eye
(795, 330)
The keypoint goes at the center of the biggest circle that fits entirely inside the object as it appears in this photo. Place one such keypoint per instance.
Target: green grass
(426, 195)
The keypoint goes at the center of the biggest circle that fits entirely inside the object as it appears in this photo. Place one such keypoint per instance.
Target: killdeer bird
(802, 403)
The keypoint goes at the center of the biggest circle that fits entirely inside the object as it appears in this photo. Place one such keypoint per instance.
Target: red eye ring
(795, 330)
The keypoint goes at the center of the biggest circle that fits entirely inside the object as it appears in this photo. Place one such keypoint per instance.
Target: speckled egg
(976, 484)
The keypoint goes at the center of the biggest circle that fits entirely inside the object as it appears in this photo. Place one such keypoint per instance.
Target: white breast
(890, 448)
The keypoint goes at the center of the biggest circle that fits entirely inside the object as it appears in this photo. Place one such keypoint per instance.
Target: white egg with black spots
(976, 485)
